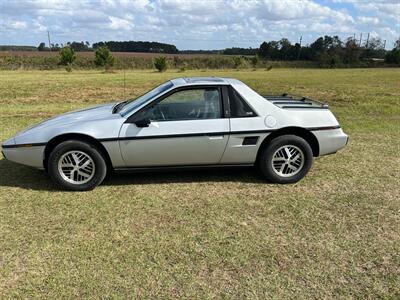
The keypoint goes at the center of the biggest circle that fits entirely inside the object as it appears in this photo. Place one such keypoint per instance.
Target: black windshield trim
(170, 85)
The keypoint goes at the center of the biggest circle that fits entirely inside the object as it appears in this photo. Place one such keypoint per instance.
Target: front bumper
(26, 155)
(330, 141)
(6, 144)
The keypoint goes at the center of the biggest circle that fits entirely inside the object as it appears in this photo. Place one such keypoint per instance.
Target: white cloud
(195, 23)
(18, 25)
(120, 24)
(368, 20)
(14, 25)
(383, 9)
(39, 26)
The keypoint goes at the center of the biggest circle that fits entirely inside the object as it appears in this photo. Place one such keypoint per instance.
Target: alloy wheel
(76, 167)
(287, 161)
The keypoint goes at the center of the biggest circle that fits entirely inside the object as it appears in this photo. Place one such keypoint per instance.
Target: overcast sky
(196, 24)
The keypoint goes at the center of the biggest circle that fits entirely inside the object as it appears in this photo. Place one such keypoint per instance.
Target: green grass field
(208, 234)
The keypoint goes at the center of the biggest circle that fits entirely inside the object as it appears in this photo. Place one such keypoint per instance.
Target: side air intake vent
(250, 140)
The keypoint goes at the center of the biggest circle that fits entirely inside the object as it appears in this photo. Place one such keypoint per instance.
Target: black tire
(267, 153)
(100, 167)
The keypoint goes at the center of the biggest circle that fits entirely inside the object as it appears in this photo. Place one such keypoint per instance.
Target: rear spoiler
(288, 101)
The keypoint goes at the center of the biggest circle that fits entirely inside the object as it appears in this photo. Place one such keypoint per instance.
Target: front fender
(99, 129)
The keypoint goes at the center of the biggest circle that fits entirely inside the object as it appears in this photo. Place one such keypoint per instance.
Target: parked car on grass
(184, 122)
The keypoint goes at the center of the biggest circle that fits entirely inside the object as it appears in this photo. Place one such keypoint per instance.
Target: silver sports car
(184, 122)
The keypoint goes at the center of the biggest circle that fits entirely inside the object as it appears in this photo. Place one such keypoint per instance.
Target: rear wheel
(286, 159)
(76, 165)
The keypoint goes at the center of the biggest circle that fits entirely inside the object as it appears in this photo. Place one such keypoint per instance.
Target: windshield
(132, 104)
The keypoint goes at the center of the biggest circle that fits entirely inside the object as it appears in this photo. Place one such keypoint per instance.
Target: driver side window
(193, 104)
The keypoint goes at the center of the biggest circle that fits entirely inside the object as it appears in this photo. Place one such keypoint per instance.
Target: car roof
(184, 81)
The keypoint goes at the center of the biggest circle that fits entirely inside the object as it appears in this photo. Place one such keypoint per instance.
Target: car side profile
(184, 122)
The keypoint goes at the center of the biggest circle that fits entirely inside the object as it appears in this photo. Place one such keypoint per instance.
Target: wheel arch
(307, 135)
(80, 137)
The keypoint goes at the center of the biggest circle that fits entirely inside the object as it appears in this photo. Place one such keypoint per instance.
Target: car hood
(84, 115)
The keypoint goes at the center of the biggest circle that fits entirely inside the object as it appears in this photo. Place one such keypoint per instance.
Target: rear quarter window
(239, 107)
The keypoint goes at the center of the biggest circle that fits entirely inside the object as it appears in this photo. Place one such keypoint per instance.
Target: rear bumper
(330, 141)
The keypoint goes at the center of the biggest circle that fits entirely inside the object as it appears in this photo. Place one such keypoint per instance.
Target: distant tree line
(127, 46)
(328, 50)
(76, 46)
(393, 57)
(80, 46)
(325, 51)
(240, 51)
(17, 48)
(138, 46)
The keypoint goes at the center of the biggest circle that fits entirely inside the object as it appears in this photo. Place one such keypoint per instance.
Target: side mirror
(145, 122)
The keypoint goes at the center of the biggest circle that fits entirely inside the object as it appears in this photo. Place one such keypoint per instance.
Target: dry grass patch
(219, 234)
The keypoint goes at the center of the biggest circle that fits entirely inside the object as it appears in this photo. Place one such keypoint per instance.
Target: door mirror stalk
(145, 122)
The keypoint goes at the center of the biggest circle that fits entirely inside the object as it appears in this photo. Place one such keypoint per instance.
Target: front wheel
(286, 159)
(76, 165)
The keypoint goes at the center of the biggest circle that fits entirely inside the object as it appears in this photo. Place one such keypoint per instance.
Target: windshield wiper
(118, 106)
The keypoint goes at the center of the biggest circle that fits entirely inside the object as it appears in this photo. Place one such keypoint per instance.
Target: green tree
(351, 51)
(397, 44)
(254, 61)
(237, 61)
(104, 58)
(160, 63)
(393, 57)
(41, 47)
(374, 49)
(269, 50)
(67, 57)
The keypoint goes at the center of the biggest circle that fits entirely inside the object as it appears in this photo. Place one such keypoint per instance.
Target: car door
(185, 127)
